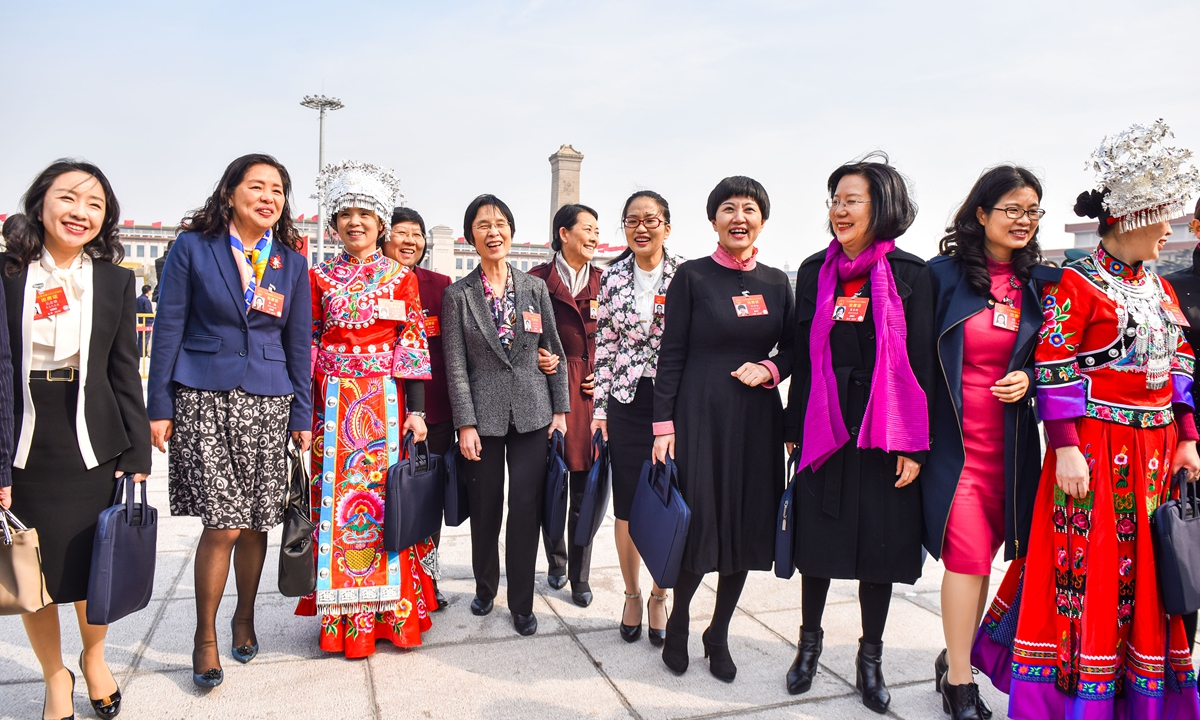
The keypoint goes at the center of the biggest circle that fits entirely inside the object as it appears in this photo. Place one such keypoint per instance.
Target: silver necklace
(1155, 338)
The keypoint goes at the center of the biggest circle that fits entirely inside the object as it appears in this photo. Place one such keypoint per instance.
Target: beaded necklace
(1141, 300)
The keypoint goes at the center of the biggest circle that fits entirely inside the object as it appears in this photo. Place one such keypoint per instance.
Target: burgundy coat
(437, 397)
(577, 329)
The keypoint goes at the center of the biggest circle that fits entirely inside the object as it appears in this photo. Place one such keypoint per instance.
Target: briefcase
(659, 520)
(554, 510)
(413, 499)
(458, 508)
(785, 523)
(123, 556)
(22, 585)
(1176, 528)
(594, 504)
(297, 563)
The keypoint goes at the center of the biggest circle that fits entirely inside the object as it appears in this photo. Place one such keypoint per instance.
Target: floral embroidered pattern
(1133, 418)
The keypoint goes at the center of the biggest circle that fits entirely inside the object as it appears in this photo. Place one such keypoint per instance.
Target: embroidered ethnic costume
(1078, 629)
(363, 353)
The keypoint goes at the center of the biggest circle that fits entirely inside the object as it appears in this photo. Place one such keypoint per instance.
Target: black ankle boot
(804, 668)
(940, 667)
(869, 678)
(961, 702)
(675, 651)
(720, 662)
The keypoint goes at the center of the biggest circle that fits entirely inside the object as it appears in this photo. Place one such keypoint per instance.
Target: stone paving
(575, 666)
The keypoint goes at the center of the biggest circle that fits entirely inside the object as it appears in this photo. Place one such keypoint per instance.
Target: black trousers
(563, 555)
(525, 454)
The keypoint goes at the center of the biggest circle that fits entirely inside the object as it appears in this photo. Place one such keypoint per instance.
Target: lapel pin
(276, 263)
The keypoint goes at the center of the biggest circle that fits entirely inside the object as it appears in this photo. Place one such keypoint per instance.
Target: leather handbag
(297, 562)
(785, 523)
(554, 510)
(1176, 530)
(458, 508)
(414, 498)
(123, 556)
(594, 505)
(659, 520)
(22, 585)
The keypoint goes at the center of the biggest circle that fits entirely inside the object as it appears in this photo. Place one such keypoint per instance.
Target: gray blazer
(489, 389)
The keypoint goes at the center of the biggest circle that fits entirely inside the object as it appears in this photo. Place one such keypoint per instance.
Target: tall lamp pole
(321, 103)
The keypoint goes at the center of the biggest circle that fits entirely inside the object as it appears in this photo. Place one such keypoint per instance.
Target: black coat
(955, 301)
(1187, 288)
(852, 521)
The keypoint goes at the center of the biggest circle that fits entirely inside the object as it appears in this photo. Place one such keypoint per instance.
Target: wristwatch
(418, 413)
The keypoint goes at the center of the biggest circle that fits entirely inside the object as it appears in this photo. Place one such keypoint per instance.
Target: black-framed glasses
(651, 222)
(1015, 213)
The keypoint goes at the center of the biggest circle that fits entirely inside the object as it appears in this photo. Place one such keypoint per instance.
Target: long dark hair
(662, 205)
(214, 216)
(964, 238)
(25, 235)
(567, 217)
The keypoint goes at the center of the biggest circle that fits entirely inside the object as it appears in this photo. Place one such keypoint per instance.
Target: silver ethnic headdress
(1148, 181)
(362, 185)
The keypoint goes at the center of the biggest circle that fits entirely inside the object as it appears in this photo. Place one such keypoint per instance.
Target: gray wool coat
(491, 388)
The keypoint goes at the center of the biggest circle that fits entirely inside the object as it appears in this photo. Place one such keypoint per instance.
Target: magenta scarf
(897, 417)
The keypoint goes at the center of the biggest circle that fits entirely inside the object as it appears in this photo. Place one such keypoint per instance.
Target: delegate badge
(432, 327)
(660, 305)
(1176, 315)
(594, 305)
(267, 301)
(390, 309)
(48, 303)
(533, 322)
(749, 305)
(1006, 316)
(851, 309)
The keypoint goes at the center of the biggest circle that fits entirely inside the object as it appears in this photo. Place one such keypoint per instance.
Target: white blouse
(56, 338)
(645, 285)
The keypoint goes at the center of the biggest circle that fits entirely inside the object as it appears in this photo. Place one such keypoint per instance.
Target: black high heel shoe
(631, 633)
(940, 667)
(804, 668)
(241, 653)
(210, 678)
(869, 677)
(655, 636)
(106, 707)
(720, 662)
(960, 702)
(72, 715)
(675, 652)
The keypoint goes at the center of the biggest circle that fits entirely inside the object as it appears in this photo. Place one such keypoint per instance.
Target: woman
(573, 282)
(229, 380)
(406, 245)
(1091, 638)
(629, 329)
(372, 359)
(978, 493)
(493, 322)
(712, 368)
(865, 376)
(79, 417)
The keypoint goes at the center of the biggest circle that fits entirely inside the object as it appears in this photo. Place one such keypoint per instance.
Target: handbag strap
(793, 467)
(4, 526)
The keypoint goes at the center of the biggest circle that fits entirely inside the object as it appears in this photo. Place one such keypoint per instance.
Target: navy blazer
(955, 301)
(205, 339)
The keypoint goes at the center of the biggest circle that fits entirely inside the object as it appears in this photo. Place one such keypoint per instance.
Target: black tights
(249, 549)
(873, 601)
(729, 589)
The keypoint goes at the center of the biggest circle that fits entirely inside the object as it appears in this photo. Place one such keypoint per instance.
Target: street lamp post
(321, 103)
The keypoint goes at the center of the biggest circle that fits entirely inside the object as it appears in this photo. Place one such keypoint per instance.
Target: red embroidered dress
(1078, 630)
(364, 593)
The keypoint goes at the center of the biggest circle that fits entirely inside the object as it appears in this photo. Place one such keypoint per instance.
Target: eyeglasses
(848, 204)
(400, 234)
(486, 227)
(1015, 213)
(651, 222)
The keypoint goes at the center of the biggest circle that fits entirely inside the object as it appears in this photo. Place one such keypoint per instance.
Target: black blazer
(1187, 287)
(114, 409)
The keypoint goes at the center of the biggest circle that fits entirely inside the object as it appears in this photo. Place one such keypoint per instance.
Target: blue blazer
(205, 339)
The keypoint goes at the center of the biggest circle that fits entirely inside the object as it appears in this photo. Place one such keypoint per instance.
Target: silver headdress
(1147, 180)
(362, 185)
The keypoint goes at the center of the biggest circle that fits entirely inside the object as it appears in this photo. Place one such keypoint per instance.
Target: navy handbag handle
(662, 478)
(793, 466)
(557, 447)
(127, 484)
(412, 449)
(597, 444)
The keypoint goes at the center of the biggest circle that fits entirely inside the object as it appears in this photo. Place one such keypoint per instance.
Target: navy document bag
(659, 520)
(123, 556)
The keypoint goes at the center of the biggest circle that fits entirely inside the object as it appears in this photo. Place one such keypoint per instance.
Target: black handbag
(123, 556)
(414, 498)
(297, 563)
(554, 511)
(659, 520)
(1176, 528)
(594, 505)
(458, 508)
(785, 523)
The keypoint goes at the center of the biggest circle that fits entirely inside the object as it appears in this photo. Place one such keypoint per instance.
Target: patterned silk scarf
(256, 258)
(503, 305)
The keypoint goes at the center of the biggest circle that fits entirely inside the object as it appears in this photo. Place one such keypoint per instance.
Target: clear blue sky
(469, 97)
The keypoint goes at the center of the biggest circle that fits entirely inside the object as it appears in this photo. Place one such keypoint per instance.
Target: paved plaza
(575, 666)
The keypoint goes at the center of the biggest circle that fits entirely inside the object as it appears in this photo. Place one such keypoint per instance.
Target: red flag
(300, 219)
(156, 225)
(128, 223)
(3, 217)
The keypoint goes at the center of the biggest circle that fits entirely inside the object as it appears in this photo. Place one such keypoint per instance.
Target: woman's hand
(588, 384)
(303, 438)
(752, 374)
(137, 477)
(907, 469)
(790, 447)
(1186, 457)
(468, 443)
(1012, 387)
(161, 432)
(600, 424)
(415, 424)
(1071, 471)
(6, 497)
(559, 423)
(547, 363)
(664, 446)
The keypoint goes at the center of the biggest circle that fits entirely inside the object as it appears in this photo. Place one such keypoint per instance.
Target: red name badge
(48, 303)
(1176, 315)
(533, 322)
(851, 309)
(389, 309)
(660, 304)
(1006, 316)
(594, 305)
(749, 305)
(267, 301)
(432, 327)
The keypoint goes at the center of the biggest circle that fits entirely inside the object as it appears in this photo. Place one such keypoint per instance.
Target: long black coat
(852, 521)
(955, 301)
(1187, 287)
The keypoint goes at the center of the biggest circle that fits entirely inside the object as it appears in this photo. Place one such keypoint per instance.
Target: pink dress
(975, 529)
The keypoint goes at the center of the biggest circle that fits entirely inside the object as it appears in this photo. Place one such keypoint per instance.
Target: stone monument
(564, 178)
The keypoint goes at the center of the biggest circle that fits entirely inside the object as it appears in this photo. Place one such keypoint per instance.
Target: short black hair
(406, 214)
(892, 209)
(478, 204)
(145, 289)
(738, 186)
(567, 217)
